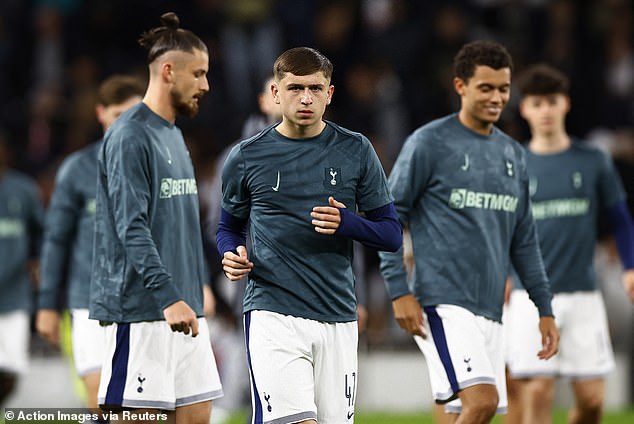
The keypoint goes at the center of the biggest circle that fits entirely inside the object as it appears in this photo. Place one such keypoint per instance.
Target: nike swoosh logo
(277, 185)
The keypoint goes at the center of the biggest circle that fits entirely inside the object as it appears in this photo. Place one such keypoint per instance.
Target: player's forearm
(231, 233)
(623, 231)
(53, 263)
(381, 230)
(394, 273)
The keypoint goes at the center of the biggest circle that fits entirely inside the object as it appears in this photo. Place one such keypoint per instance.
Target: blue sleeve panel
(381, 230)
(623, 231)
(231, 233)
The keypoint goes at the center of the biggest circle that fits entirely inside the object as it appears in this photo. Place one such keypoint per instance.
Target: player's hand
(326, 219)
(409, 315)
(628, 283)
(237, 266)
(550, 337)
(180, 317)
(47, 325)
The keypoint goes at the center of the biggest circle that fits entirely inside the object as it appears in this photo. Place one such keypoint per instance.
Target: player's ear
(331, 91)
(568, 104)
(459, 86)
(275, 92)
(99, 111)
(522, 108)
(167, 71)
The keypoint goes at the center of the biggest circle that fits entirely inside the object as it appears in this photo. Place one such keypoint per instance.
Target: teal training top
(276, 181)
(148, 245)
(465, 199)
(568, 191)
(66, 260)
(21, 216)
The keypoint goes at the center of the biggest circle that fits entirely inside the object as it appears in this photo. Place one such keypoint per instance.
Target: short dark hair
(170, 37)
(480, 53)
(302, 61)
(116, 89)
(542, 79)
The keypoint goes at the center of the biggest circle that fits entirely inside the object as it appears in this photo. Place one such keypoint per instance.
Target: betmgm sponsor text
(172, 187)
(461, 198)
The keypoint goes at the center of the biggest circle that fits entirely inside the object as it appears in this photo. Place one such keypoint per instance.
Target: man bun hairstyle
(302, 61)
(169, 36)
(480, 53)
(542, 79)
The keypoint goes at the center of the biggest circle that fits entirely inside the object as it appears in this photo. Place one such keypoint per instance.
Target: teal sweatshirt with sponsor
(464, 197)
(148, 245)
(568, 190)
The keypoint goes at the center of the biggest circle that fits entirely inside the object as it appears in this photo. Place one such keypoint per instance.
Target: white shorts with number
(585, 350)
(147, 365)
(88, 342)
(462, 350)
(301, 369)
(14, 343)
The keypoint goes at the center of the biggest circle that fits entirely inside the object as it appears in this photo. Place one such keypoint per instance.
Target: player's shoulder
(433, 133)
(345, 132)
(264, 135)
(19, 180)
(77, 163)
(130, 131)
(80, 158)
(586, 150)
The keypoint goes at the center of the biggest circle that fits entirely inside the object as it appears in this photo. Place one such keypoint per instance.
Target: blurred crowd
(392, 72)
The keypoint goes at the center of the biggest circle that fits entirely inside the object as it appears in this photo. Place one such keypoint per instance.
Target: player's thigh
(336, 375)
(197, 413)
(523, 339)
(14, 349)
(137, 370)
(88, 339)
(462, 350)
(196, 379)
(585, 347)
(280, 357)
(147, 365)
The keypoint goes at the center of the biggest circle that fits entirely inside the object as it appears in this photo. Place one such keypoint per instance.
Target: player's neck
(546, 144)
(160, 103)
(475, 125)
(290, 130)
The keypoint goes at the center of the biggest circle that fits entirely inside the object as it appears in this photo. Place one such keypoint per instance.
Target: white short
(88, 342)
(14, 343)
(585, 350)
(462, 350)
(301, 369)
(147, 365)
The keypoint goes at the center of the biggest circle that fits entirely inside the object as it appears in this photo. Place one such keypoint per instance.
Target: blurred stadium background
(392, 73)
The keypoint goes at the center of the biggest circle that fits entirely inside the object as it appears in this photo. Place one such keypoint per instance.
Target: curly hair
(480, 53)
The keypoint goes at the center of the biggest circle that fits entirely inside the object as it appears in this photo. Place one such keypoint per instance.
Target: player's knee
(591, 405)
(539, 393)
(483, 409)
